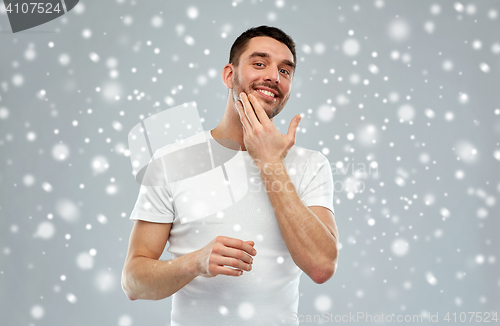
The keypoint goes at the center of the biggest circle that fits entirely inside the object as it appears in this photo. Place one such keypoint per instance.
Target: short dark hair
(240, 44)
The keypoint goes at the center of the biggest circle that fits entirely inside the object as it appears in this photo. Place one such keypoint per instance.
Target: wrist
(192, 266)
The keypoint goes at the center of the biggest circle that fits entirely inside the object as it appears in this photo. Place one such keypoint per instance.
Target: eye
(285, 71)
(259, 63)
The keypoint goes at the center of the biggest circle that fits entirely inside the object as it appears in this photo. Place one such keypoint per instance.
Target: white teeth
(266, 92)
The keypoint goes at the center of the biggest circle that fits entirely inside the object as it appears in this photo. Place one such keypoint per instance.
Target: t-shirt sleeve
(155, 200)
(317, 183)
(154, 204)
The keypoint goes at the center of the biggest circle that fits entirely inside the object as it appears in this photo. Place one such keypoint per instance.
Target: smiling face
(265, 69)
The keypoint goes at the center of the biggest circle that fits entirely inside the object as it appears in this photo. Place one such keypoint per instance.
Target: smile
(267, 94)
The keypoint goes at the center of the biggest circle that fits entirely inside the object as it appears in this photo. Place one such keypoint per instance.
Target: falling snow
(402, 102)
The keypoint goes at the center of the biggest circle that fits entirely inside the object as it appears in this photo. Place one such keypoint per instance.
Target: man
(216, 277)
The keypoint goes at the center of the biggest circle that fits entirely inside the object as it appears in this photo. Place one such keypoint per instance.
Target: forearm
(151, 279)
(311, 244)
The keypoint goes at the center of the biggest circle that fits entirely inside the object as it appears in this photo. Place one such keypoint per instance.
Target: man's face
(265, 69)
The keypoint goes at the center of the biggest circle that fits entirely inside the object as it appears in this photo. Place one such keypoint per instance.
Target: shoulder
(298, 155)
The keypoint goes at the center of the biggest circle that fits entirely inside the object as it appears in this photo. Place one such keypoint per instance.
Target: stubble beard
(236, 95)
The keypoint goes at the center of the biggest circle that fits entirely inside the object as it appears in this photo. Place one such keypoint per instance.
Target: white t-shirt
(269, 293)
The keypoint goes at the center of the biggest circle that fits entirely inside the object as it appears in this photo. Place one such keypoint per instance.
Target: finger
(292, 129)
(250, 243)
(259, 111)
(220, 270)
(232, 262)
(249, 110)
(243, 117)
(239, 244)
(235, 253)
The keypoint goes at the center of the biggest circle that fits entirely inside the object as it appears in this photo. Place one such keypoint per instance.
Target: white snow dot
(458, 6)
(477, 44)
(4, 113)
(246, 310)
(71, 298)
(325, 113)
(447, 65)
(47, 187)
(399, 30)
(111, 189)
(492, 14)
(351, 47)
(373, 69)
(435, 9)
(105, 281)
(400, 247)
(482, 212)
(102, 219)
(157, 21)
(459, 174)
(471, 9)
(319, 48)
(322, 303)
(444, 212)
(484, 67)
(45, 230)
(128, 20)
(60, 152)
(466, 151)
(192, 12)
(37, 312)
(100, 164)
(189, 40)
(28, 180)
(30, 54)
(429, 27)
(406, 112)
(495, 48)
(449, 116)
(17, 80)
(94, 57)
(430, 278)
(67, 210)
(223, 310)
(430, 114)
(125, 320)
(87, 33)
(85, 261)
(64, 59)
(496, 155)
(463, 98)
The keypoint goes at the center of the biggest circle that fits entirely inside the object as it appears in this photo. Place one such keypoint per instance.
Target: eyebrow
(266, 55)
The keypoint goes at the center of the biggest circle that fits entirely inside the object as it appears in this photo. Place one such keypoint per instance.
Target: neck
(230, 126)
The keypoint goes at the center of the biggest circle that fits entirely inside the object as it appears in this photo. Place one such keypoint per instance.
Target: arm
(146, 277)
(311, 237)
(310, 233)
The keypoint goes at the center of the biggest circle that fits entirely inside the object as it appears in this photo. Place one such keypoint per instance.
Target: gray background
(418, 234)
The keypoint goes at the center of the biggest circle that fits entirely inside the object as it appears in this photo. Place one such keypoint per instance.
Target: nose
(273, 75)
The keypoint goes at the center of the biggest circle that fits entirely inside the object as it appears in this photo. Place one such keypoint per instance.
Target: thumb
(294, 124)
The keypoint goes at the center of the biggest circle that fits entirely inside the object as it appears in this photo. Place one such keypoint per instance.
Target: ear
(227, 75)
